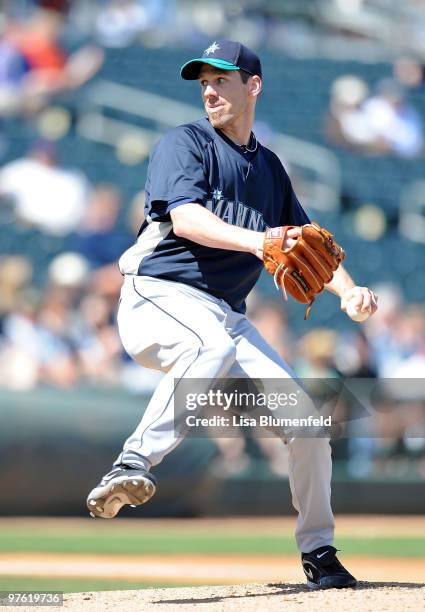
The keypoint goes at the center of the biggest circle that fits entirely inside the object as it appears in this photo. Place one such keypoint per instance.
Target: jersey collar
(247, 155)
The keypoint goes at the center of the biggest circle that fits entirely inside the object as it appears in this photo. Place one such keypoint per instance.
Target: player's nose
(209, 91)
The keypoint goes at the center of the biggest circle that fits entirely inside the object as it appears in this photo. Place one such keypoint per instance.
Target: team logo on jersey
(212, 48)
(235, 213)
(217, 194)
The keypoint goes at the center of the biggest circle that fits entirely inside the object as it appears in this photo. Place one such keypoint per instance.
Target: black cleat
(121, 486)
(324, 571)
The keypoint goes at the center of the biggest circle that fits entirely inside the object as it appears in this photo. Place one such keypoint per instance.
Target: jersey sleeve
(176, 174)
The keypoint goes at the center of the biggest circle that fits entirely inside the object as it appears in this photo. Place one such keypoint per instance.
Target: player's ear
(254, 85)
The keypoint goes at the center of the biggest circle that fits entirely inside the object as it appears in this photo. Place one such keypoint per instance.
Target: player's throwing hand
(359, 303)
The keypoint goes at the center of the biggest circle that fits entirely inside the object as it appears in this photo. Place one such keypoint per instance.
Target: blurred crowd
(281, 25)
(61, 332)
(34, 65)
(380, 122)
(36, 68)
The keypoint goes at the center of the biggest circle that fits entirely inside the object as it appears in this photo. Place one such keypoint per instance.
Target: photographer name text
(261, 421)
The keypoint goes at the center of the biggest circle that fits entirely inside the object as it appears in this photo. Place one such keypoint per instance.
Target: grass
(73, 585)
(169, 541)
(162, 539)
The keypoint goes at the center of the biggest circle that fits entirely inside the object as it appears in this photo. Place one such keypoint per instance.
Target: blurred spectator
(13, 69)
(69, 270)
(36, 347)
(405, 344)
(55, 350)
(395, 333)
(136, 213)
(107, 281)
(63, 335)
(232, 455)
(136, 379)
(100, 241)
(397, 341)
(98, 238)
(400, 413)
(381, 124)
(395, 126)
(409, 71)
(344, 122)
(15, 274)
(354, 359)
(414, 365)
(91, 330)
(353, 356)
(19, 358)
(317, 354)
(270, 318)
(96, 341)
(44, 194)
(34, 66)
(120, 22)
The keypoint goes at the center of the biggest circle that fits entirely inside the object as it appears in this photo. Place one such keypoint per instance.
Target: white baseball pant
(188, 333)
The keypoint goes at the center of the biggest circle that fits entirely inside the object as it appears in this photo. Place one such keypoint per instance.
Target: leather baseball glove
(305, 268)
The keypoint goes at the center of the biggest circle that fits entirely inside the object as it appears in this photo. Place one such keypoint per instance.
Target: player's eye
(218, 81)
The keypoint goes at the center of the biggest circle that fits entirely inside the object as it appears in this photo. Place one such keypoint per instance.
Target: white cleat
(120, 487)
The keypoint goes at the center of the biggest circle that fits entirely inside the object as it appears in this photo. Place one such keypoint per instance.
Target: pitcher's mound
(274, 596)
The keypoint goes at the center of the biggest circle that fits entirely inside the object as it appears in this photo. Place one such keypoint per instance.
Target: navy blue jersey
(196, 163)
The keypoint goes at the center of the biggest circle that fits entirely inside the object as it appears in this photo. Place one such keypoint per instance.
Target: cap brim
(191, 69)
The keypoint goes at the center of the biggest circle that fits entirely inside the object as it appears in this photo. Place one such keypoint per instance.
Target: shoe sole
(107, 501)
(347, 585)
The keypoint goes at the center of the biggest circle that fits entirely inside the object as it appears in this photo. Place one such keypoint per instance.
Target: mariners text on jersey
(196, 163)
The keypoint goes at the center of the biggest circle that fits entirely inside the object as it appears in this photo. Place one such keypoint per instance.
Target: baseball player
(212, 191)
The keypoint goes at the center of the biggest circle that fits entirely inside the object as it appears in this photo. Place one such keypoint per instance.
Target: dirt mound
(275, 596)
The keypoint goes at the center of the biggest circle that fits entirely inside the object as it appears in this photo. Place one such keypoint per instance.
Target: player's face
(224, 95)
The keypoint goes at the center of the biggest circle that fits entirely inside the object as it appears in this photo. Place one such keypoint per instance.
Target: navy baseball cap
(226, 55)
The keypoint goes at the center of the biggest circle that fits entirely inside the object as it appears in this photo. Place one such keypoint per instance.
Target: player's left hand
(291, 237)
(289, 241)
(363, 298)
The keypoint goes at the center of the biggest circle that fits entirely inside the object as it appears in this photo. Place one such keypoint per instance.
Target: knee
(222, 352)
(220, 355)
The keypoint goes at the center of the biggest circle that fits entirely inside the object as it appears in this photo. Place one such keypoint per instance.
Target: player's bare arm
(196, 223)
(363, 299)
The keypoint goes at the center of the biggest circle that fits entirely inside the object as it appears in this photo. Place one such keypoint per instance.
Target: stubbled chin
(218, 120)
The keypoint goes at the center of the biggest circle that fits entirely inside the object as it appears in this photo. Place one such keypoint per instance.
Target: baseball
(355, 314)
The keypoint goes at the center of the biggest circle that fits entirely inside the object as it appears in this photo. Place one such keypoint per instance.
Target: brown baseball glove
(305, 268)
